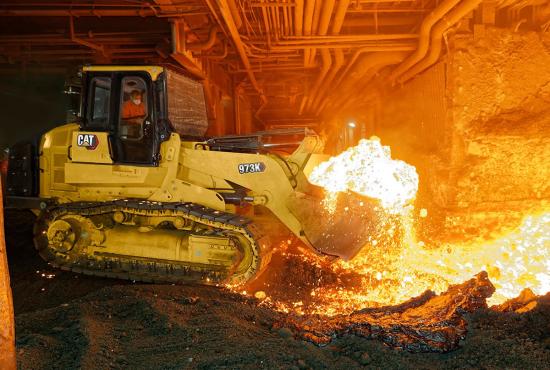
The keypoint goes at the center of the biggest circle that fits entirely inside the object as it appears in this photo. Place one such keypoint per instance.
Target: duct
(166, 5)
(308, 16)
(324, 21)
(327, 62)
(80, 13)
(273, 15)
(308, 22)
(179, 52)
(213, 12)
(323, 90)
(326, 12)
(260, 109)
(323, 39)
(316, 16)
(350, 64)
(212, 37)
(455, 15)
(286, 29)
(226, 15)
(423, 42)
(221, 56)
(361, 74)
(80, 41)
(321, 20)
(339, 16)
(267, 27)
(299, 17)
(235, 13)
(354, 58)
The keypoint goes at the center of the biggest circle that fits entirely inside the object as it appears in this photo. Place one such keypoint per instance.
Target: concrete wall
(501, 117)
(477, 127)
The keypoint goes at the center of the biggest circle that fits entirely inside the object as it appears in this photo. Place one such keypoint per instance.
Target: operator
(133, 112)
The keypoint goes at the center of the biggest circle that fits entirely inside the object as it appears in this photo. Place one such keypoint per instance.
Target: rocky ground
(70, 321)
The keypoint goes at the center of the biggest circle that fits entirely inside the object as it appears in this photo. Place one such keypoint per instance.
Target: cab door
(133, 135)
(120, 105)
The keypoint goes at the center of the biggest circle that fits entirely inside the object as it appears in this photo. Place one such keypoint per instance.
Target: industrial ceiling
(297, 60)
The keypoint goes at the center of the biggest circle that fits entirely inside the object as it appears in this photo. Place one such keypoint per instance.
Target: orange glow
(369, 170)
(515, 261)
(394, 271)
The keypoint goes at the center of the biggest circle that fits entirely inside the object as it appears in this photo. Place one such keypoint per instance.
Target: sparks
(369, 170)
(514, 261)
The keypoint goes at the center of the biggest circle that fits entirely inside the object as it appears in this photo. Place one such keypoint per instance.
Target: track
(155, 270)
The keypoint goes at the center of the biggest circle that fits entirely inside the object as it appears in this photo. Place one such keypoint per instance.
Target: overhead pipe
(336, 27)
(363, 71)
(424, 39)
(322, 25)
(299, 17)
(267, 26)
(350, 65)
(214, 13)
(324, 22)
(201, 46)
(290, 16)
(353, 60)
(322, 92)
(308, 22)
(308, 17)
(286, 21)
(221, 56)
(179, 52)
(323, 39)
(316, 16)
(319, 6)
(290, 19)
(79, 13)
(235, 13)
(449, 20)
(82, 42)
(326, 13)
(275, 24)
(339, 16)
(234, 32)
(327, 62)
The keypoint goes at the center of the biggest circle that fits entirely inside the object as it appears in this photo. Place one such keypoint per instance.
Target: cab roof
(154, 71)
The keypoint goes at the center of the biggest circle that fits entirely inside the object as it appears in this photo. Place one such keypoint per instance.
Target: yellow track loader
(135, 191)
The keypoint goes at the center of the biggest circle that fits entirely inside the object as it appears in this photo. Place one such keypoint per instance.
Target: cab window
(133, 111)
(100, 101)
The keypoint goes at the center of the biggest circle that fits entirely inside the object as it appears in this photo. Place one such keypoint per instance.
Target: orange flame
(515, 261)
(369, 170)
(390, 275)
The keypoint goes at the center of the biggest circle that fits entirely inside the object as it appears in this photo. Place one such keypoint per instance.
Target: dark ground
(72, 321)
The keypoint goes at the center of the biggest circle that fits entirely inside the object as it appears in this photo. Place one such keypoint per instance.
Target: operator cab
(129, 106)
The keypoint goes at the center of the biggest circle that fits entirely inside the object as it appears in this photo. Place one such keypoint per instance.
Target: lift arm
(7, 342)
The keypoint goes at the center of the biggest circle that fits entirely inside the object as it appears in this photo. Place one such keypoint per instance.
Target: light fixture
(351, 124)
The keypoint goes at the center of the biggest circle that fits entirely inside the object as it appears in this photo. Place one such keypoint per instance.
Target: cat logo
(88, 141)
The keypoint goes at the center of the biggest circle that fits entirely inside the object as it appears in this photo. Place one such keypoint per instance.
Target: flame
(369, 170)
(517, 260)
(391, 273)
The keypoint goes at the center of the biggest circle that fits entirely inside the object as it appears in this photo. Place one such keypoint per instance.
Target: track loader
(134, 190)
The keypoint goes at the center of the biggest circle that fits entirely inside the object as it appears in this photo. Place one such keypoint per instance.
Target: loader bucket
(345, 231)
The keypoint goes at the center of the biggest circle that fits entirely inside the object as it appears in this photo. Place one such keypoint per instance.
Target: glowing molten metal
(396, 268)
(369, 170)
